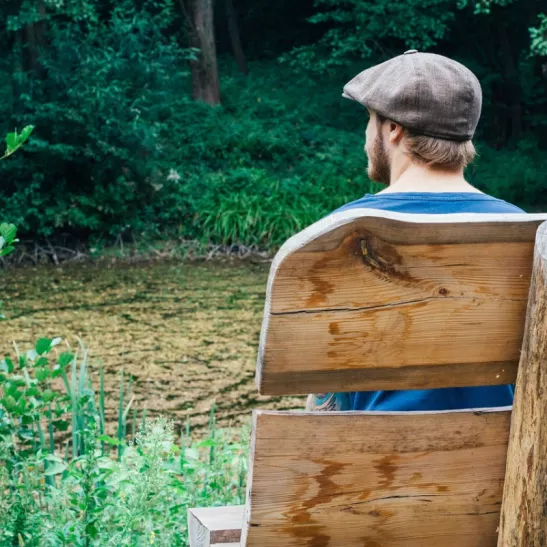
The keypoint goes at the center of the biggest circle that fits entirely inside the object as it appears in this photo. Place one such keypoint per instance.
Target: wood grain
(378, 302)
(376, 480)
(215, 526)
(524, 515)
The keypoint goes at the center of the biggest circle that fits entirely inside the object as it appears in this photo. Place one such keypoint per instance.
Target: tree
(205, 82)
(233, 29)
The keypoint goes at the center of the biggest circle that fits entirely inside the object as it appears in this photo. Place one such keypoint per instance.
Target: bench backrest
(373, 300)
(367, 300)
(377, 480)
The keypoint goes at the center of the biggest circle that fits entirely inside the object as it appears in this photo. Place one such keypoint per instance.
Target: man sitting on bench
(424, 109)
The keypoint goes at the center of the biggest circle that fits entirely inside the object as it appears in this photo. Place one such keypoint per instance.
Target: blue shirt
(428, 399)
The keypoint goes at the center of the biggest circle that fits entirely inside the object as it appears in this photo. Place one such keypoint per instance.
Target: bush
(100, 98)
(85, 494)
(518, 175)
(121, 151)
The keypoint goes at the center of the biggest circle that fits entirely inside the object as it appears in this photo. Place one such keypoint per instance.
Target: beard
(379, 168)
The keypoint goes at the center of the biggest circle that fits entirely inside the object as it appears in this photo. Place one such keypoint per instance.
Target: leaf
(6, 365)
(110, 440)
(9, 403)
(53, 458)
(207, 443)
(11, 142)
(27, 420)
(43, 345)
(61, 425)
(55, 468)
(191, 454)
(91, 530)
(25, 134)
(107, 463)
(65, 359)
(8, 231)
(42, 361)
(21, 405)
(41, 374)
(6, 250)
(14, 141)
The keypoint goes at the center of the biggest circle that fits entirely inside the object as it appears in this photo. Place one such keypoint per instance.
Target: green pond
(186, 332)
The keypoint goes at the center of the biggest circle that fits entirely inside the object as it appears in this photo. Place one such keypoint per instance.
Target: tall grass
(79, 486)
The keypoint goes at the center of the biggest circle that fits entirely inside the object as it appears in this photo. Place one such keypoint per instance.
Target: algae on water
(187, 332)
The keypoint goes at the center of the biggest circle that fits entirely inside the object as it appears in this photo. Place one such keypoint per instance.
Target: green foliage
(357, 28)
(14, 141)
(83, 495)
(513, 175)
(539, 37)
(7, 238)
(484, 7)
(112, 79)
(122, 152)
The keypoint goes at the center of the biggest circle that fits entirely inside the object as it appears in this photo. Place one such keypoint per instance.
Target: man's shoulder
(433, 203)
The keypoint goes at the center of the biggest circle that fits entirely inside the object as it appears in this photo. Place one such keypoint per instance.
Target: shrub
(90, 488)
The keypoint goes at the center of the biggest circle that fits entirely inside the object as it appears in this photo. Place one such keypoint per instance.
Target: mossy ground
(186, 332)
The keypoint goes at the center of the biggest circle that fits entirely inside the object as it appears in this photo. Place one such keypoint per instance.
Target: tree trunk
(524, 511)
(205, 81)
(233, 29)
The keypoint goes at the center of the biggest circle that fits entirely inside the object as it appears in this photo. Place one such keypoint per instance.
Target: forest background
(222, 120)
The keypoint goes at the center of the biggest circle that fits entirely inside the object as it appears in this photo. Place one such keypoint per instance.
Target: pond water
(186, 332)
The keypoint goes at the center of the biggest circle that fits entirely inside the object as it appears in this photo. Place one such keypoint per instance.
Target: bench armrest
(215, 526)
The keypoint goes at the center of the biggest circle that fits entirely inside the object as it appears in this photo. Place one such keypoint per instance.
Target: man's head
(389, 143)
(424, 109)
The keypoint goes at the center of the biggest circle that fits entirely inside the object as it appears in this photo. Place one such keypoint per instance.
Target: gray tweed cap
(427, 93)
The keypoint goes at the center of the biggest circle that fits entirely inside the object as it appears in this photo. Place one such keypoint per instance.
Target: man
(424, 109)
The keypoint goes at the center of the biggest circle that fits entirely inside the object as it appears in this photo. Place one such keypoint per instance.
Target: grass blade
(74, 409)
(120, 418)
(101, 404)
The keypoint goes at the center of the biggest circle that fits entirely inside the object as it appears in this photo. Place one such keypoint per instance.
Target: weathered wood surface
(391, 301)
(377, 480)
(215, 526)
(524, 515)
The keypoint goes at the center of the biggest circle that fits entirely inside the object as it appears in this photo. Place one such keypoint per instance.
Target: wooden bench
(370, 300)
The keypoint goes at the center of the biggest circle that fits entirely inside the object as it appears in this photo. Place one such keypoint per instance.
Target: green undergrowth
(66, 480)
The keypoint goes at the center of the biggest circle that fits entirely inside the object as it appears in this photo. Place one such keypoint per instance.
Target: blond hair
(435, 152)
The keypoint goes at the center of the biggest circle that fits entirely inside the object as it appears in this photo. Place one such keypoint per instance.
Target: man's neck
(417, 178)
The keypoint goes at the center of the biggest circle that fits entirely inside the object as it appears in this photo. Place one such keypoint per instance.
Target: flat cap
(427, 93)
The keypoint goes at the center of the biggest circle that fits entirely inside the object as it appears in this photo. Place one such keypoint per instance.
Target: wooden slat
(376, 479)
(387, 301)
(215, 526)
(524, 514)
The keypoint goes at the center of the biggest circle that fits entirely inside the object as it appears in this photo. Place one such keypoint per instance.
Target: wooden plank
(376, 479)
(368, 302)
(215, 526)
(524, 514)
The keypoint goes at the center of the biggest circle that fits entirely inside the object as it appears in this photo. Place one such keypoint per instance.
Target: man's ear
(395, 132)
